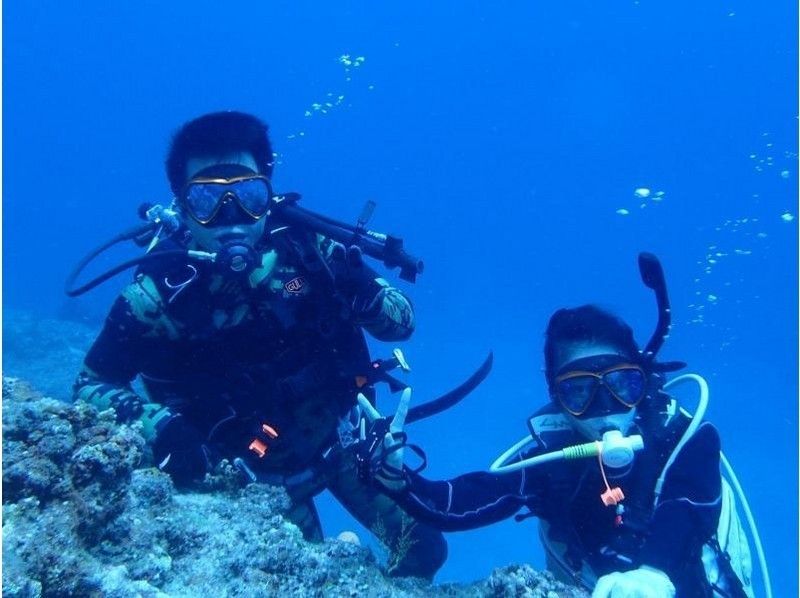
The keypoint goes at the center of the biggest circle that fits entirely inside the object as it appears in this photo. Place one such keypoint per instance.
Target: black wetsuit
(578, 528)
(282, 347)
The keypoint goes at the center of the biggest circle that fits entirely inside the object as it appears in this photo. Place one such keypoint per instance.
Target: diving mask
(203, 197)
(577, 389)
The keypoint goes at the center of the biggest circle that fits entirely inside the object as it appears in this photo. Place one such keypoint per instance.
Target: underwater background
(527, 151)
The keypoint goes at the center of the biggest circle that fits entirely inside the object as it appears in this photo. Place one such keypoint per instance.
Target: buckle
(259, 446)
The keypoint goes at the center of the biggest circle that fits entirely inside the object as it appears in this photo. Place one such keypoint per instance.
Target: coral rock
(85, 514)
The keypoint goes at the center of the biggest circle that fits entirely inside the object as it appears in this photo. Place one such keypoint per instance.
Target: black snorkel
(653, 407)
(653, 278)
(164, 223)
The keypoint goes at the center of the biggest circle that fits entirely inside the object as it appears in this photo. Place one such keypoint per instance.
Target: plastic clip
(258, 447)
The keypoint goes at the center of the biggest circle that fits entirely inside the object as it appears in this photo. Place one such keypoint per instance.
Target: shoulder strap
(639, 508)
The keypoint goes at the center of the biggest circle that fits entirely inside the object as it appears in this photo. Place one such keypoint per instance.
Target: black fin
(454, 396)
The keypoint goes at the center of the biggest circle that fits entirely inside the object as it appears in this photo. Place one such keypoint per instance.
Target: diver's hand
(350, 257)
(178, 450)
(390, 451)
(644, 582)
(352, 276)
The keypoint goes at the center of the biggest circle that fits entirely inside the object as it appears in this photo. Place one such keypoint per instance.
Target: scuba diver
(626, 485)
(246, 332)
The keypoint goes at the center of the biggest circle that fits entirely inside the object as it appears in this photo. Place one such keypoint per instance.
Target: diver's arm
(113, 361)
(387, 314)
(467, 502)
(689, 506)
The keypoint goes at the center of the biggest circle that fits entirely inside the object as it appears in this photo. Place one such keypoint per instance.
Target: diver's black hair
(587, 323)
(217, 134)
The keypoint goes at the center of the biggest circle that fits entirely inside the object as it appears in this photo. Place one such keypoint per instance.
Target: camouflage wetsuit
(280, 348)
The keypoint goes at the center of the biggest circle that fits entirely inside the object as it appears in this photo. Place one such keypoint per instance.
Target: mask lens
(575, 393)
(253, 195)
(202, 199)
(627, 385)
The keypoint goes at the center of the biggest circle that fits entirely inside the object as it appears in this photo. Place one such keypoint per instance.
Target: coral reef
(83, 515)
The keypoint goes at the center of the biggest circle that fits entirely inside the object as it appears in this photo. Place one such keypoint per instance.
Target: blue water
(501, 140)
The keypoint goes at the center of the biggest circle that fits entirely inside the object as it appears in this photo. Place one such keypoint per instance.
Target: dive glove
(354, 278)
(178, 450)
(644, 582)
(382, 444)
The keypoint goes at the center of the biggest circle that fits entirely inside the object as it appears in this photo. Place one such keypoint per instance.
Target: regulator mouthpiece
(237, 258)
(618, 450)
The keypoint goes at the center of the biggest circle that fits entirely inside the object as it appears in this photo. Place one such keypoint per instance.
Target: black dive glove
(355, 279)
(178, 450)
